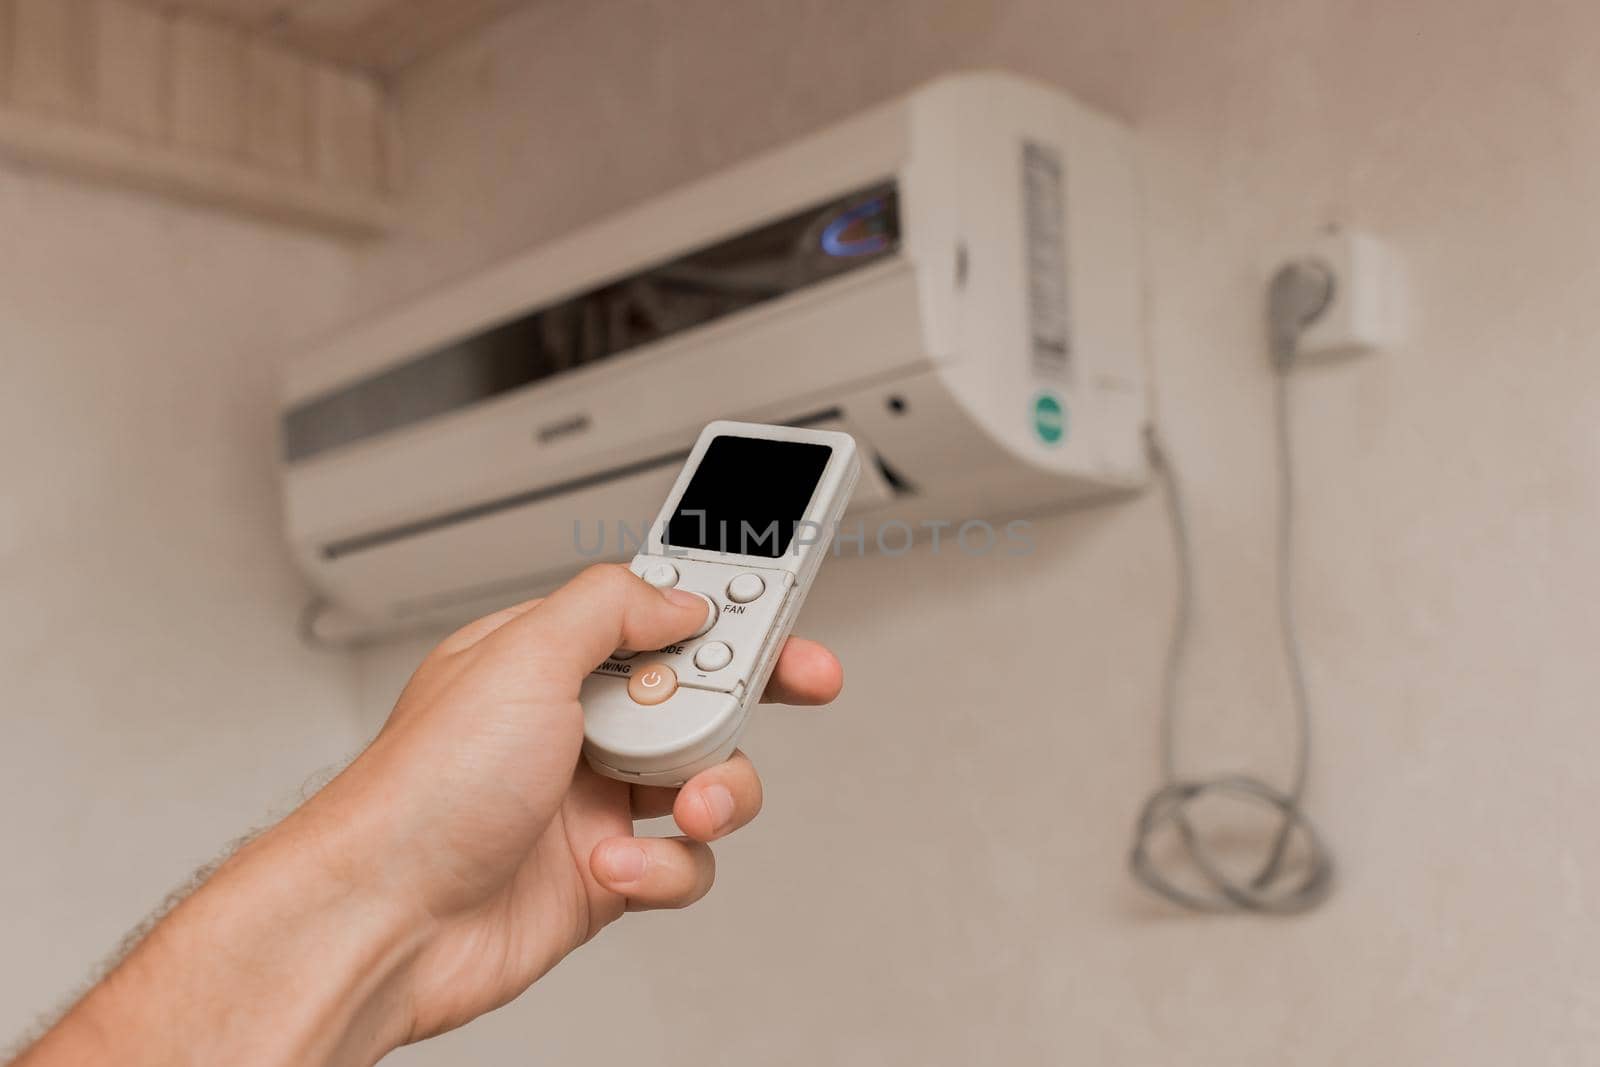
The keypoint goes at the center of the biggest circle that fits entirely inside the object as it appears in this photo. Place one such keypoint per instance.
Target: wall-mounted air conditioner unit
(953, 277)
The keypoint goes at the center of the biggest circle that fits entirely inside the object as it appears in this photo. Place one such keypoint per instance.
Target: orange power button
(652, 683)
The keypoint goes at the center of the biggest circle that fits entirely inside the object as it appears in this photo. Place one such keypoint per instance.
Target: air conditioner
(953, 278)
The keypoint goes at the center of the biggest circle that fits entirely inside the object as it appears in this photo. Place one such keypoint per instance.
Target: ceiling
(376, 35)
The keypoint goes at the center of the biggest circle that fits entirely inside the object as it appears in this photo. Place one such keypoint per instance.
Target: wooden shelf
(193, 109)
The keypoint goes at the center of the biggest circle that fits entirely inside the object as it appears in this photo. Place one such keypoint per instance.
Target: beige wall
(157, 702)
(939, 875)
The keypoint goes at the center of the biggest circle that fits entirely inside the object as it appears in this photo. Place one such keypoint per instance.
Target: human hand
(460, 857)
(481, 815)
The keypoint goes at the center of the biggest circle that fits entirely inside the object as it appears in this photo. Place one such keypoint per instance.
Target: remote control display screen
(748, 496)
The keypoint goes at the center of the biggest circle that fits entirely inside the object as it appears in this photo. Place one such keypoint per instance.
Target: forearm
(283, 957)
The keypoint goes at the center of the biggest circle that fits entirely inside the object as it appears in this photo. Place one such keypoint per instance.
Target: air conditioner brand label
(1049, 418)
(1045, 233)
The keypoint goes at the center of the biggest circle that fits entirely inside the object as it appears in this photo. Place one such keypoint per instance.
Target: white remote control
(746, 525)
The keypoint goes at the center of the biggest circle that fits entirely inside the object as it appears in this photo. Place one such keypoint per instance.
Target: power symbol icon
(652, 684)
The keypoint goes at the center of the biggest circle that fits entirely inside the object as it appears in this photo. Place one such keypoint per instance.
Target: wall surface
(157, 701)
(938, 877)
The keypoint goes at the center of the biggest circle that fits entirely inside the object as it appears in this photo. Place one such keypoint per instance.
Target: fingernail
(623, 863)
(719, 805)
(683, 598)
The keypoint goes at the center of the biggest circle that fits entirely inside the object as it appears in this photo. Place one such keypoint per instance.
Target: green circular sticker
(1049, 418)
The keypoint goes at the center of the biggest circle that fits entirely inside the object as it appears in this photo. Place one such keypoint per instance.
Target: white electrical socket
(1365, 311)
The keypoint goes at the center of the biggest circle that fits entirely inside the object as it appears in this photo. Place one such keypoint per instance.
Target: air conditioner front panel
(425, 570)
(986, 351)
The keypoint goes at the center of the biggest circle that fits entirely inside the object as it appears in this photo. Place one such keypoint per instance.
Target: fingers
(605, 608)
(675, 872)
(807, 673)
(608, 607)
(713, 803)
(654, 872)
(718, 801)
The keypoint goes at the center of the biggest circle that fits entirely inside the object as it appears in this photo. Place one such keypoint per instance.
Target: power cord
(1280, 885)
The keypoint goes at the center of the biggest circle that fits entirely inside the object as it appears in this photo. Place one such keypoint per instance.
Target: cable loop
(1278, 886)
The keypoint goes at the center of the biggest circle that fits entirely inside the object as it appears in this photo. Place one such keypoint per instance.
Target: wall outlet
(1365, 311)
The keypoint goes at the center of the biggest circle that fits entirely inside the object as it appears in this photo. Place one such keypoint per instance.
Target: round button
(661, 575)
(623, 653)
(711, 614)
(652, 683)
(746, 588)
(713, 656)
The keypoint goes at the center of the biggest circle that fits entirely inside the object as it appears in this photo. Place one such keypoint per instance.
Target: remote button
(713, 656)
(661, 575)
(623, 653)
(653, 684)
(746, 588)
(712, 611)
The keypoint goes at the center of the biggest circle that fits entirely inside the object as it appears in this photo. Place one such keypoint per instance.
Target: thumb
(605, 608)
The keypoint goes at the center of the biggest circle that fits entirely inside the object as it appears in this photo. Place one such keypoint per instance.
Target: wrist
(282, 957)
(337, 969)
(354, 933)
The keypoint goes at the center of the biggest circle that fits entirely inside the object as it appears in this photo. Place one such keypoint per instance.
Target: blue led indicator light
(838, 241)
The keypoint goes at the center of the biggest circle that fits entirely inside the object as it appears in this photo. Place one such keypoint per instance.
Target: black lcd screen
(747, 496)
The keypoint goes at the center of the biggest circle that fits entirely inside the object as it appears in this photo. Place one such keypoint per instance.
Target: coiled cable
(1289, 879)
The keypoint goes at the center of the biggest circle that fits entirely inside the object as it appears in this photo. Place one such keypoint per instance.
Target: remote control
(745, 527)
